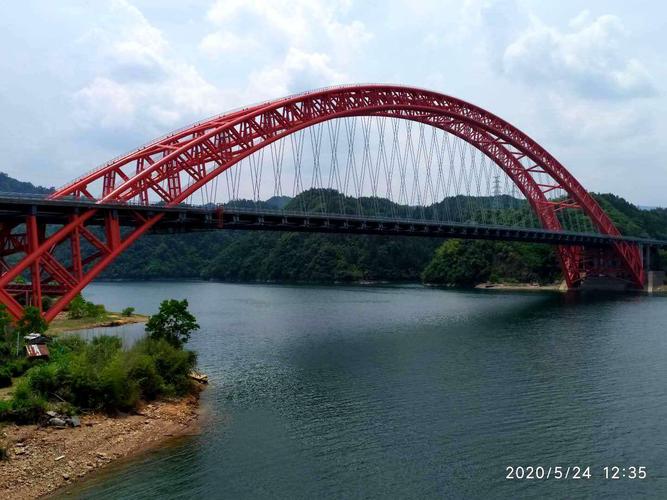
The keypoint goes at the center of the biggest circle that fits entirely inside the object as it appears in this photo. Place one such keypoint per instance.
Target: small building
(37, 351)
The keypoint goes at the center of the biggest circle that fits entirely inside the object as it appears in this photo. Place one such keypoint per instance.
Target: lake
(407, 392)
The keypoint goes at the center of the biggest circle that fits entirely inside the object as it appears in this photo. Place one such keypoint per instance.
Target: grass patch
(63, 323)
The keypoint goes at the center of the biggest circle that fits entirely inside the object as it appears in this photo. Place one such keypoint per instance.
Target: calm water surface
(407, 392)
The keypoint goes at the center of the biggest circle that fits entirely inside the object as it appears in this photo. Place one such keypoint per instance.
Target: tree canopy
(32, 321)
(173, 323)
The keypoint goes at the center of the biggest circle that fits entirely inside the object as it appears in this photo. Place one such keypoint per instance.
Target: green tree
(95, 311)
(77, 307)
(461, 263)
(173, 323)
(128, 311)
(31, 322)
(82, 308)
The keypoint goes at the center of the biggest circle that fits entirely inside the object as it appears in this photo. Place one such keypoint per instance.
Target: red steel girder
(223, 141)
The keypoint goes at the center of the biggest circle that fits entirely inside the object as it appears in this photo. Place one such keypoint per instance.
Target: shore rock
(57, 422)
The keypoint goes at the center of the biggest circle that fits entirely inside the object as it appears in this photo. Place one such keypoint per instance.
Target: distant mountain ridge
(10, 185)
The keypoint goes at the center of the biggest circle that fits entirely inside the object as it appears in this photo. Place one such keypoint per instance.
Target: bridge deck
(185, 218)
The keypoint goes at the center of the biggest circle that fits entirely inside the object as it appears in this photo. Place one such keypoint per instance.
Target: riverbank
(553, 287)
(42, 460)
(62, 323)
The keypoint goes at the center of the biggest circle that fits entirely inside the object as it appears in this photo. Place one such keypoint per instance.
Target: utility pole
(496, 186)
(496, 192)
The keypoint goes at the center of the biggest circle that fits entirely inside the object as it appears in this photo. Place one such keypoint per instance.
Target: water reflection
(406, 392)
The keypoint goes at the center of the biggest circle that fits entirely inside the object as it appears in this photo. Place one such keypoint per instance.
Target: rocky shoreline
(43, 459)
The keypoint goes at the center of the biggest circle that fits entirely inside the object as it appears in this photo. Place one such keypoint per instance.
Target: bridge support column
(655, 280)
(32, 237)
(655, 276)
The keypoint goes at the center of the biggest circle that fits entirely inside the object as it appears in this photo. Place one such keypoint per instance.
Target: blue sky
(82, 82)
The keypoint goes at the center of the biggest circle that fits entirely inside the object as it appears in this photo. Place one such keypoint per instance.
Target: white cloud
(588, 60)
(138, 84)
(298, 70)
(219, 42)
(99, 78)
(595, 123)
(311, 43)
(296, 20)
(104, 103)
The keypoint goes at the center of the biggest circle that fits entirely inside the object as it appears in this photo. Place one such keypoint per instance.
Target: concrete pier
(655, 280)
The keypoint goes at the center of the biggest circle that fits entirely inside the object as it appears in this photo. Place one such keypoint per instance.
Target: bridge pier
(654, 274)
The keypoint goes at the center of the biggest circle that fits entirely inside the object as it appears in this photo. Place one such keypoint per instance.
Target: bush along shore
(131, 397)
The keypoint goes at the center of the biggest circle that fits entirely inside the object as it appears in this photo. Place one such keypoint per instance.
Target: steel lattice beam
(205, 150)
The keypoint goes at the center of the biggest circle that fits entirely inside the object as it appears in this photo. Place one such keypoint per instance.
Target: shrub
(31, 321)
(44, 378)
(102, 349)
(128, 311)
(172, 364)
(65, 345)
(18, 366)
(5, 409)
(76, 308)
(5, 350)
(81, 308)
(142, 369)
(117, 389)
(5, 376)
(26, 405)
(91, 381)
(95, 311)
(100, 375)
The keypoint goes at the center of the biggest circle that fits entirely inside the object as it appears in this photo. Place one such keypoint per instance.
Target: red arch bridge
(367, 159)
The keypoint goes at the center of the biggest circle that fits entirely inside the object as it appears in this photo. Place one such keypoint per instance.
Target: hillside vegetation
(278, 256)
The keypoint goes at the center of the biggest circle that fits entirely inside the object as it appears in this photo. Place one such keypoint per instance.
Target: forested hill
(10, 185)
(295, 257)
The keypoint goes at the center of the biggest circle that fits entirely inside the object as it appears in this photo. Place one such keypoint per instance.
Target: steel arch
(229, 138)
(224, 140)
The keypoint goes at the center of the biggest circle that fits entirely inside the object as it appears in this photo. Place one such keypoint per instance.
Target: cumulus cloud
(587, 60)
(104, 102)
(299, 70)
(137, 83)
(306, 42)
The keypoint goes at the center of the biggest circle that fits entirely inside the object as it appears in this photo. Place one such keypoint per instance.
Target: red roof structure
(37, 350)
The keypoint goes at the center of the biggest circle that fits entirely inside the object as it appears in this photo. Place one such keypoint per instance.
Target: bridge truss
(361, 152)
